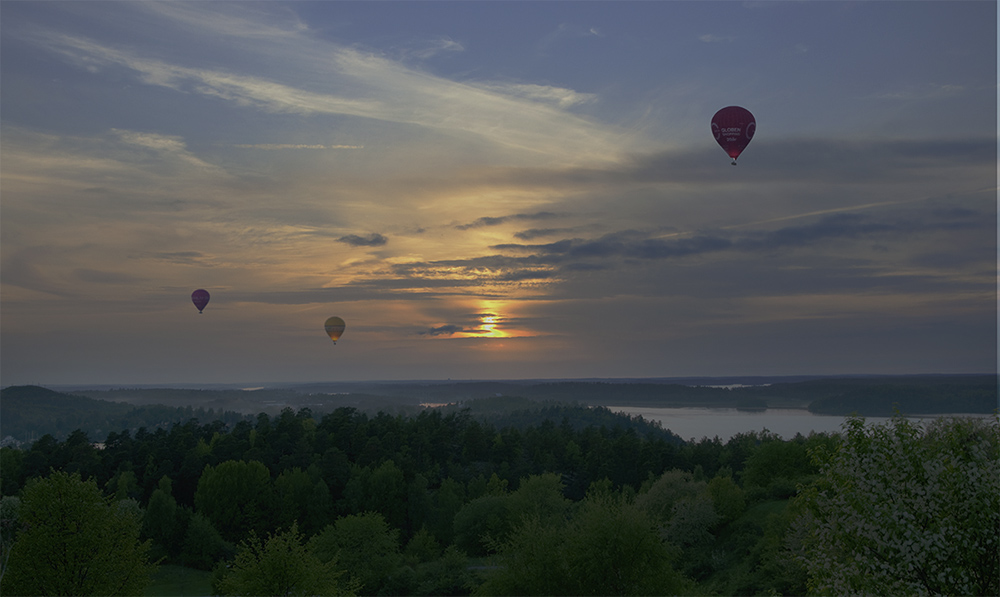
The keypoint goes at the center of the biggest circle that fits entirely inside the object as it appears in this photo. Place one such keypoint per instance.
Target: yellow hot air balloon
(334, 328)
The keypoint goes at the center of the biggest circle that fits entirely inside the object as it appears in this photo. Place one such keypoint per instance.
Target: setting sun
(488, 326)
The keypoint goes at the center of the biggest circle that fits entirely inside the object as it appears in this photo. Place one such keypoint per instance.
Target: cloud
(444, 330)
(836, 226)
(370, 240)
(433, 48)
(533, 233)
(182, 257)
(496, 221)
(166, 145)
(355, 83)
(278, 146)
(106, 277)
(712, 38)
(622, 245)
(633, 244)
(560, 96)
(26, 268)
(818, 160)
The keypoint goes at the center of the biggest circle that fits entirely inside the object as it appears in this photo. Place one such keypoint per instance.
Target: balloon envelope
(733, 128)
(200, 298)
(334, 328)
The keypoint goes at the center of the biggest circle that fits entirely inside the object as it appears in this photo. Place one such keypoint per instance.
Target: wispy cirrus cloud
(350, 82)
(432, 48)
(559, 96)
(164, 144)
(280, 146)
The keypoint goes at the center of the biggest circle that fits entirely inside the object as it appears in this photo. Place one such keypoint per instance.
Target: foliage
(775, 466)
(10, 527)
(160, 521)
(751, 555)
(727, 498)
(363, 544)
(11, 463)
(683, 510)
(380, 489)
(673, 487)
(541, 496)
(203, 545)
(235, 496)
(75, 542)
(447, 575)
(484, 518)
(608, 547)
(281, 565)
(901, 509)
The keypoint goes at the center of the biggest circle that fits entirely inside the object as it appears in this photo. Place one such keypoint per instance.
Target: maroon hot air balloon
(733, 128)
(200, 298)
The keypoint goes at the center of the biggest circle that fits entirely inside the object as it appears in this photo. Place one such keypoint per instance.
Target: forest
(538, 499)
(29, 412)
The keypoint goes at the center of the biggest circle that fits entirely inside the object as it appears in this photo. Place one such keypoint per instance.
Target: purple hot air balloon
(200, 298)
(733, 128)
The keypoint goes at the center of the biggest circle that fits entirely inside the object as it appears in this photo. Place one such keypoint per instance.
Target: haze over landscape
(495, 190)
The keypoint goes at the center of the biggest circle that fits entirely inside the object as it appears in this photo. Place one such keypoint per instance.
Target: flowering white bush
(903, 509)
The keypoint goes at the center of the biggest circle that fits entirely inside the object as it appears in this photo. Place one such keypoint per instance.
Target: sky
(494, 190)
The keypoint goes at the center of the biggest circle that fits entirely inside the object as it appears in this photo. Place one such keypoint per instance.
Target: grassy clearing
(178, 581)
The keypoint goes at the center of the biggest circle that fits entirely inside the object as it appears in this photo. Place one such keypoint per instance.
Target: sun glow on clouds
(488, 327)
(490, 321)
(496, 320)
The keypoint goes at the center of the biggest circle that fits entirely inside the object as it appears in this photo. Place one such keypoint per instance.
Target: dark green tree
(727, 498)
(541, 496)
(280, 565)
(203, 546)
(614, 548)
(293, 489)
(482, 521)
(381, 489)
(10, 528)
(160, 521)
(446, 502)
(319, 509)
(75, 542)
(11, 470)
(363, 544)
(903, 509)
(773, 470)
(609, 547)
(236, 496)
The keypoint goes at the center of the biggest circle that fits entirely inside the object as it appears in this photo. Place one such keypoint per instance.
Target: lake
(696, 423)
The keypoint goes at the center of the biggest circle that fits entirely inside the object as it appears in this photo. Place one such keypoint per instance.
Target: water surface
(696, 423)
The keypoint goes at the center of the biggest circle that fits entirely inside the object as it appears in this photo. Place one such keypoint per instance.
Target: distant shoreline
(692, 381)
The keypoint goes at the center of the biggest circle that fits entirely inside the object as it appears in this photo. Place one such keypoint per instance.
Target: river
(696, 423)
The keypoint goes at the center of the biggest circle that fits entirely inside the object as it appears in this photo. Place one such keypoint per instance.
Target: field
(178, 581)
